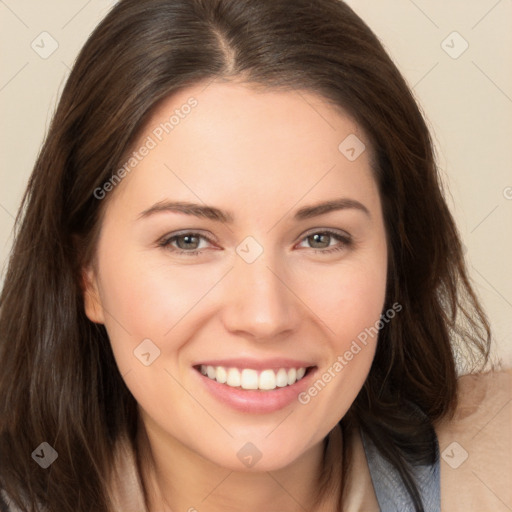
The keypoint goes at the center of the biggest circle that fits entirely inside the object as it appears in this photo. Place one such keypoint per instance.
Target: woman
(235, 282)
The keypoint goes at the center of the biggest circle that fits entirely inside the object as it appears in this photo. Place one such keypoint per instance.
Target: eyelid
(335, 231)
(166, 240)
(344, 241)
(209, 236)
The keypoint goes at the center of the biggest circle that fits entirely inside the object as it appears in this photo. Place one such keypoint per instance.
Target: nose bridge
(259, 302)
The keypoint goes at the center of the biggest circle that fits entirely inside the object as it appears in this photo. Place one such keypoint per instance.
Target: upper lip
(257, 364)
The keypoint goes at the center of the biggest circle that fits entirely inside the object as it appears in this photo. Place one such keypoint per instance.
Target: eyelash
(346, 242)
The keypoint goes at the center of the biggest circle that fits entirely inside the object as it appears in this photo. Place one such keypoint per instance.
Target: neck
(178, 479)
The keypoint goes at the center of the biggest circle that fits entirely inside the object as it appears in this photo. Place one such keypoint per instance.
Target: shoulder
(125, 486)
(5, 503)
(476, 445)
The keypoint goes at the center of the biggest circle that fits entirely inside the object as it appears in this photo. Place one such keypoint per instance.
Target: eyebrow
(216, 214)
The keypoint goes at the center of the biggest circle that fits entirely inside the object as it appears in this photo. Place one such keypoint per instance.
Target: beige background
(467, 99)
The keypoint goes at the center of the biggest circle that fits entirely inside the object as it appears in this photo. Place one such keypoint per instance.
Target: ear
(92, 300)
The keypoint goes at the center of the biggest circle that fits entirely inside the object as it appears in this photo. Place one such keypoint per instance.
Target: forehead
(292, 119)
(222, 139)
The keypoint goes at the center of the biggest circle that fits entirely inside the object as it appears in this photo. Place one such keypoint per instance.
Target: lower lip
(257, 402)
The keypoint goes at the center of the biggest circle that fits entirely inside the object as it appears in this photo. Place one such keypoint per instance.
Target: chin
(258, 455)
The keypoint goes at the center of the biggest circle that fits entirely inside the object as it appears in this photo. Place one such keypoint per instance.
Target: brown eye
(321, 241)
(188, 243)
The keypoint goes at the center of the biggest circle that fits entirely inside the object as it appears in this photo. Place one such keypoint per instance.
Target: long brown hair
(59, 381)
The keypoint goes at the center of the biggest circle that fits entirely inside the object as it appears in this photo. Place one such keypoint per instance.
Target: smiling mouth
(250, 379)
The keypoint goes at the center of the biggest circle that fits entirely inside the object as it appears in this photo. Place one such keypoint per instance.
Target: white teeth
(267, 380)
(282, 378)
(249, 378)
(210, 371)
(234, 378)
(222, 375)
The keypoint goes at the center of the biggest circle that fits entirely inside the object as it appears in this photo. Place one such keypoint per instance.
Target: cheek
(149, 299)
(347, 299)
(350, 305)
(144, 299)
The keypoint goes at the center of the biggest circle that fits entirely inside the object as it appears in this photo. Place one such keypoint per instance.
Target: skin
(261, 155)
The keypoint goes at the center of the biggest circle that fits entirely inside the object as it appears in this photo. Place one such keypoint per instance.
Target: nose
(259, 300)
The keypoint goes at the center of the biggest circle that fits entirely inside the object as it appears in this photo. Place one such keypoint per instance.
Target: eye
(189, 242)
(184, 243)
(321, 241)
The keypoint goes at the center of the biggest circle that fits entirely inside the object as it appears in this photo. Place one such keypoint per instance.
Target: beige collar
(127, 491)
(481, 429)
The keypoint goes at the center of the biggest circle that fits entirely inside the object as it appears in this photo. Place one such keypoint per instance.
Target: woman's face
(272, 268)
